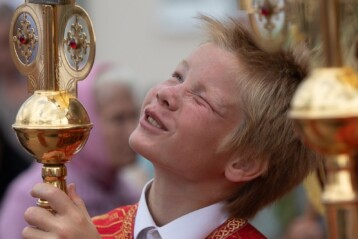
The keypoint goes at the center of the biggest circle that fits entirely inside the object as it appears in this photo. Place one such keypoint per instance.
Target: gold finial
(53, 44)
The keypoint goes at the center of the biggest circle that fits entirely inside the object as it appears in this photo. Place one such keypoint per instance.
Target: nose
(168, 96)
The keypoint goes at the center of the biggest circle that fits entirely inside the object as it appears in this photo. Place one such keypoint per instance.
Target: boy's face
(184, 119)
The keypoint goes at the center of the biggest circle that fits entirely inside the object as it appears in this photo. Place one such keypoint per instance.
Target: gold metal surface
(325, 106)
(50, 66)
(341, 196)
(25, 38)
(53, 44)
(55, 175)
(327, 93)
(331, 29)
(325, 109)
(268, 22)
(52, 127)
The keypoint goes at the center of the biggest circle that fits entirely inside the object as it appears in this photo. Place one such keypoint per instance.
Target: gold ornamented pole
(268, 21)
(325, 106)
(52, 43)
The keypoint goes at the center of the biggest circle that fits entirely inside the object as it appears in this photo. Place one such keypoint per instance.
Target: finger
(34, 233)
(40, 218)
(77, 199)
(58, 200)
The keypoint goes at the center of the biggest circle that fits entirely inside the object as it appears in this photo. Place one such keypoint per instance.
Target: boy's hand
(71, 220)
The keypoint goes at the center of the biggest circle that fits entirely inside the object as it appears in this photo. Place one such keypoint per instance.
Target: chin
(140, 146)
(135, 142)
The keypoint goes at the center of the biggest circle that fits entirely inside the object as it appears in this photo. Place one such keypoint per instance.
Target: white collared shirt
(195, 225)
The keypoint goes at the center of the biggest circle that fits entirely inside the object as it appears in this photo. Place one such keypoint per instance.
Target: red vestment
(119, 224)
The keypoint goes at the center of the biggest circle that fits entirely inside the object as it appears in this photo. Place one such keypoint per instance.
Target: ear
(239, 170)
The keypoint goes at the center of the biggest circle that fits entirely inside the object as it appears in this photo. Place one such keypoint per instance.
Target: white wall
(126, 32)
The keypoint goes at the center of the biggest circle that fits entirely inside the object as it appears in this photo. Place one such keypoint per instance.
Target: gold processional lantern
(52, 42)
(325, 106)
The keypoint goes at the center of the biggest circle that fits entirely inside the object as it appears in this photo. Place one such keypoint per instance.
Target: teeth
(153, 122)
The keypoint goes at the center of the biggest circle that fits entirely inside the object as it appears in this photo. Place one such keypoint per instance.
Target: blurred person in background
(112, 106)
(13, 92)
(281, 213)
(309, 225)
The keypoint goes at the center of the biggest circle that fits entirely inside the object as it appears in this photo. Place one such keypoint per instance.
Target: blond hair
(267, 83)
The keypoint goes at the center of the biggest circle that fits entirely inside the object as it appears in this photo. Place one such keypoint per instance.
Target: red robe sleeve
(117, 224)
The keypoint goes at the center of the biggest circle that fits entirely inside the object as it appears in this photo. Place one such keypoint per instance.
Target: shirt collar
(143, 218)
(195, 225)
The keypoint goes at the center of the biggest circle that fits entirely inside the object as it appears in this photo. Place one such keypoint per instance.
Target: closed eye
(199, 99)
(204, 102)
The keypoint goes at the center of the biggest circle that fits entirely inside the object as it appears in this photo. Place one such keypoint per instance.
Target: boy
(218, 135)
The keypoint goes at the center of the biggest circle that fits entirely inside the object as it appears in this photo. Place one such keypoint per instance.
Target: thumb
(71, 191)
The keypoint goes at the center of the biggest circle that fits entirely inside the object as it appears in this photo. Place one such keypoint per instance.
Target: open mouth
(152, 120)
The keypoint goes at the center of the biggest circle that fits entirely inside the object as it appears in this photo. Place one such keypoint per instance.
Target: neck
(172, 197)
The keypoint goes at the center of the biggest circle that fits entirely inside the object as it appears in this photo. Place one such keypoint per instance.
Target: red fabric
(119, 224)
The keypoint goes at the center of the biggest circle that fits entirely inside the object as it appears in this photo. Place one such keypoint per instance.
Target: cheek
(202, 132)
(137, 144)
(135, 140)
(151, 94)
(197, 122)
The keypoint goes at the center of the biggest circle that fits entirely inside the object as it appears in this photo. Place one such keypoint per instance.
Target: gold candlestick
(329, 124)
(52, 43)
(325, 106)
